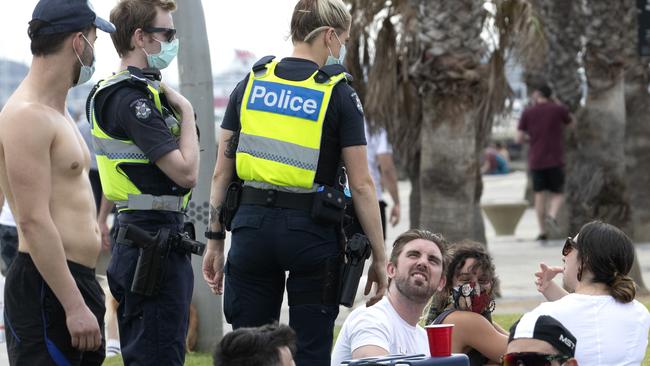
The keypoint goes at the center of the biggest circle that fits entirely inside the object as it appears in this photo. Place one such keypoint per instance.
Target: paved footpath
(516, 257)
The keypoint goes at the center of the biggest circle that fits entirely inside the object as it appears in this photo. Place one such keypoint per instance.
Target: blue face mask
(331, 60)
(162, 59)
(86, 72)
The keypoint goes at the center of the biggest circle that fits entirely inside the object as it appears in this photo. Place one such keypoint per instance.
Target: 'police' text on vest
(285, 99)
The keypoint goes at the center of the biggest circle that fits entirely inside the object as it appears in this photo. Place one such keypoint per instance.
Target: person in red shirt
(542, 126)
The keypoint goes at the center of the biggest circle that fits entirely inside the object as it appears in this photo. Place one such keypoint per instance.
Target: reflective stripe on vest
(281, 129)
(111, 152)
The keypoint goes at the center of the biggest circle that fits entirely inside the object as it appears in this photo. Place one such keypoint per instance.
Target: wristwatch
(215, 235)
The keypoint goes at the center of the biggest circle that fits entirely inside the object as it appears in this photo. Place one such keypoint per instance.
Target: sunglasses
(569, 245)
(531, 359)
(169, 33)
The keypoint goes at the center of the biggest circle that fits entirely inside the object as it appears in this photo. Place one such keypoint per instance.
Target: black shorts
(549, 179)
(35, 322)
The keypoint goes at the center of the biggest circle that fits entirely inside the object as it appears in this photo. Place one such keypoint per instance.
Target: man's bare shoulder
(25, 119)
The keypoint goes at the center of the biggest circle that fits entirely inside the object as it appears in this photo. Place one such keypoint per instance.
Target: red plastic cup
(439, 339)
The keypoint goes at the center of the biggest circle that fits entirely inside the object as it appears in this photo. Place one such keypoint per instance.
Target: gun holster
(357, 250)
(230, 204)
(153, 252)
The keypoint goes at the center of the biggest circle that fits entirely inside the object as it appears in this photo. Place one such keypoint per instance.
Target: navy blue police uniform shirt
(343, 125)
(128, 113)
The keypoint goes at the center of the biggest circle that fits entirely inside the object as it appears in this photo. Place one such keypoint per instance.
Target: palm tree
(435, 85)
(597, 184)
(637, 133)
(637, 136)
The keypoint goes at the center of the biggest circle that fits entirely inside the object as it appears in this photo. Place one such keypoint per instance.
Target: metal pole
(195, 75)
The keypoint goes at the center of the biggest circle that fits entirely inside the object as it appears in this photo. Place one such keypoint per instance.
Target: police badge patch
(357, 102)
(141, 109)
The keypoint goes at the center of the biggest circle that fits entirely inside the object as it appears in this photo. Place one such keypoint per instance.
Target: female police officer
(288, 124)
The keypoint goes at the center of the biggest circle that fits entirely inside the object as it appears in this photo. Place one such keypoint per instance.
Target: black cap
(66, 16)
(545, 328)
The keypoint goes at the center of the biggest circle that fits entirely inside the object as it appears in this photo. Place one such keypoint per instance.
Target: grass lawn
(205, 359)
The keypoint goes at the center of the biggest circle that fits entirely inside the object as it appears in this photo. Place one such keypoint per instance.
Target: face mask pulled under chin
(86, 71)
(162, 59)
(468, 296)
(331, 60)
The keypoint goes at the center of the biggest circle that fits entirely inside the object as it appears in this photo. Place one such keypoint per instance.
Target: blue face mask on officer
(162, 59)
(86, 71)
(331, 60)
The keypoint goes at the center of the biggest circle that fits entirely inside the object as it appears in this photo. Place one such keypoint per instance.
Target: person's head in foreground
(268, 345)
(599, 256)
(539, 340)
(416, 265)
(470, 280)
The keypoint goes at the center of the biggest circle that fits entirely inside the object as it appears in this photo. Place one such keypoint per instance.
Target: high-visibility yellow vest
(111, 153)
(281, 127)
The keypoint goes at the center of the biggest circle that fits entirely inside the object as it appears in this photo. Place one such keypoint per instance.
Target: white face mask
(331, 60)
(86, 72)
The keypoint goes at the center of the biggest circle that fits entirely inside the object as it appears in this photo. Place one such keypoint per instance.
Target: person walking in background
(383, 172)
(599, 307)
(288, 126)
(54, 305)
(542, 126)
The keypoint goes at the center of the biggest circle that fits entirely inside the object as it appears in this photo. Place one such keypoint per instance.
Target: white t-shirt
(379, 325)
(608, 332)
(377, 144)
(6, 217)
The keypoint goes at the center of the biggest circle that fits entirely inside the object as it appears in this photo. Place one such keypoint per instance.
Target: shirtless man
(54, 307)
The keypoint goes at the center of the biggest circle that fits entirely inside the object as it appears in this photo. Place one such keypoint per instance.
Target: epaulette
(328, 71)
(261, 64)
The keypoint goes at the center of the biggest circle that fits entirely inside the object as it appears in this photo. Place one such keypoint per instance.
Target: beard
(416, 290)
(75, 73)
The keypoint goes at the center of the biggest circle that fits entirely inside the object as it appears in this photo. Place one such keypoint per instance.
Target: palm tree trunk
(637, 139)
(450, 80)
(596, 184)
(447, 171)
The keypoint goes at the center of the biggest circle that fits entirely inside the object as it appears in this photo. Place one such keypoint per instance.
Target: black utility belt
(326, 205)
(279, 199)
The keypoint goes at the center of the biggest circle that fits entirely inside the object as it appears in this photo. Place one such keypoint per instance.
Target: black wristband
(216, 235)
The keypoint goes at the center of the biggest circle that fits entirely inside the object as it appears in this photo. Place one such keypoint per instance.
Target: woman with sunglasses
(599, 307)
(467, 301)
